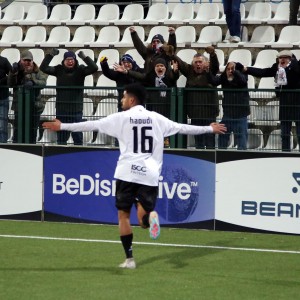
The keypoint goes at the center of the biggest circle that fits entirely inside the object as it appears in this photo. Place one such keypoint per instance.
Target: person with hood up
(128, 63)
(69, 101)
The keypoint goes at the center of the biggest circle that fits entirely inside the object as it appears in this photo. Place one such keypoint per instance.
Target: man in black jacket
(287, 76)
(69, 101)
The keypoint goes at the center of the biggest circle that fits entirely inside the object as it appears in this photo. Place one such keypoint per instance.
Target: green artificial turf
(181, 264)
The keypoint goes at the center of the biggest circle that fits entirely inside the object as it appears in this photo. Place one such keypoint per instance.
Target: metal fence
(179, 104)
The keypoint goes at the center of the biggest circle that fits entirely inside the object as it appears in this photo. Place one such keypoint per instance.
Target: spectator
(162, 78)
(235, 104)
(69, 101)
(294, 9)
(233, 20)
(287, 76)
(202, 106)
(141, 146)
(126, 63)
(26, 73)
(159, 77)
(5, 67)
(157, 49)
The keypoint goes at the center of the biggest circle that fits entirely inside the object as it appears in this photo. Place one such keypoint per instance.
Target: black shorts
(129, 193)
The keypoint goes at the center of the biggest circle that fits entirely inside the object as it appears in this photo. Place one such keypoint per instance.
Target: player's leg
(126, 237)
(124, 201)
(147, 216)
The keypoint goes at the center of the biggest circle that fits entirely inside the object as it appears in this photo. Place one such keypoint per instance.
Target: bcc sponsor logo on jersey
(138, 168)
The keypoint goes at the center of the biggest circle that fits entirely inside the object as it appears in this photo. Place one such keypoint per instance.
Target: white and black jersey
(141, 136)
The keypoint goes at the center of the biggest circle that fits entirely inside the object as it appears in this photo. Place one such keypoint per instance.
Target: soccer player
(141, 136)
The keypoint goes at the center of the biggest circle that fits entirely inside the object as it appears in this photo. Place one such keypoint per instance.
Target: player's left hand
(218, 128)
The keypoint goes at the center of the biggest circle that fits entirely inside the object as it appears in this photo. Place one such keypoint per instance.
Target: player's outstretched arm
(218, 128)
(52, 125)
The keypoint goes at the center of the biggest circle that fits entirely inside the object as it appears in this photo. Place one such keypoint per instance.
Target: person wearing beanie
(158, 48)
(128, 63)
(25, 72)
(69, 101)
(286, 72)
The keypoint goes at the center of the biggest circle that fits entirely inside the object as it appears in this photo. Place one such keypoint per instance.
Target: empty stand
(259, 13)
(255, 139)
(60, 14)
(266, 83)
(243, 56)
(12, 54)
(262, 36)
(207, 13)
(49, 111)
(108, 14)
(58, 36)
(88, 108)
(181, 14)
(103, 84)
(157, 14)
(37, 13)
(83, 36)
(126, 40)
(181, 82)
(186, 55)
(185, 35)
(274, 141)
(84, 14)
(112, 55)
(108, 37)
(13, 14)
(209, 35)
(289, 36)
(265, 58)
(132, 14)
(11, 35)
(35, 35)
(281, 15)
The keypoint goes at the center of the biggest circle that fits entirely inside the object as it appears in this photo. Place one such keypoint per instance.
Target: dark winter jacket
(5, 67)
(69, 100)
(149, 55)
(289, 102)
(19, 78)
(200, 104)
(235, 103)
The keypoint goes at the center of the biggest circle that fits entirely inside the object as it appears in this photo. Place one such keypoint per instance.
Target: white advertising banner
(259, 193)
(21, 175)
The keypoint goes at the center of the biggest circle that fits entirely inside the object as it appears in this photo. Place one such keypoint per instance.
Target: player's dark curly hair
(138, 91)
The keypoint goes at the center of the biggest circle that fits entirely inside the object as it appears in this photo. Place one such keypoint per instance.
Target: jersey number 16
(146, 141)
